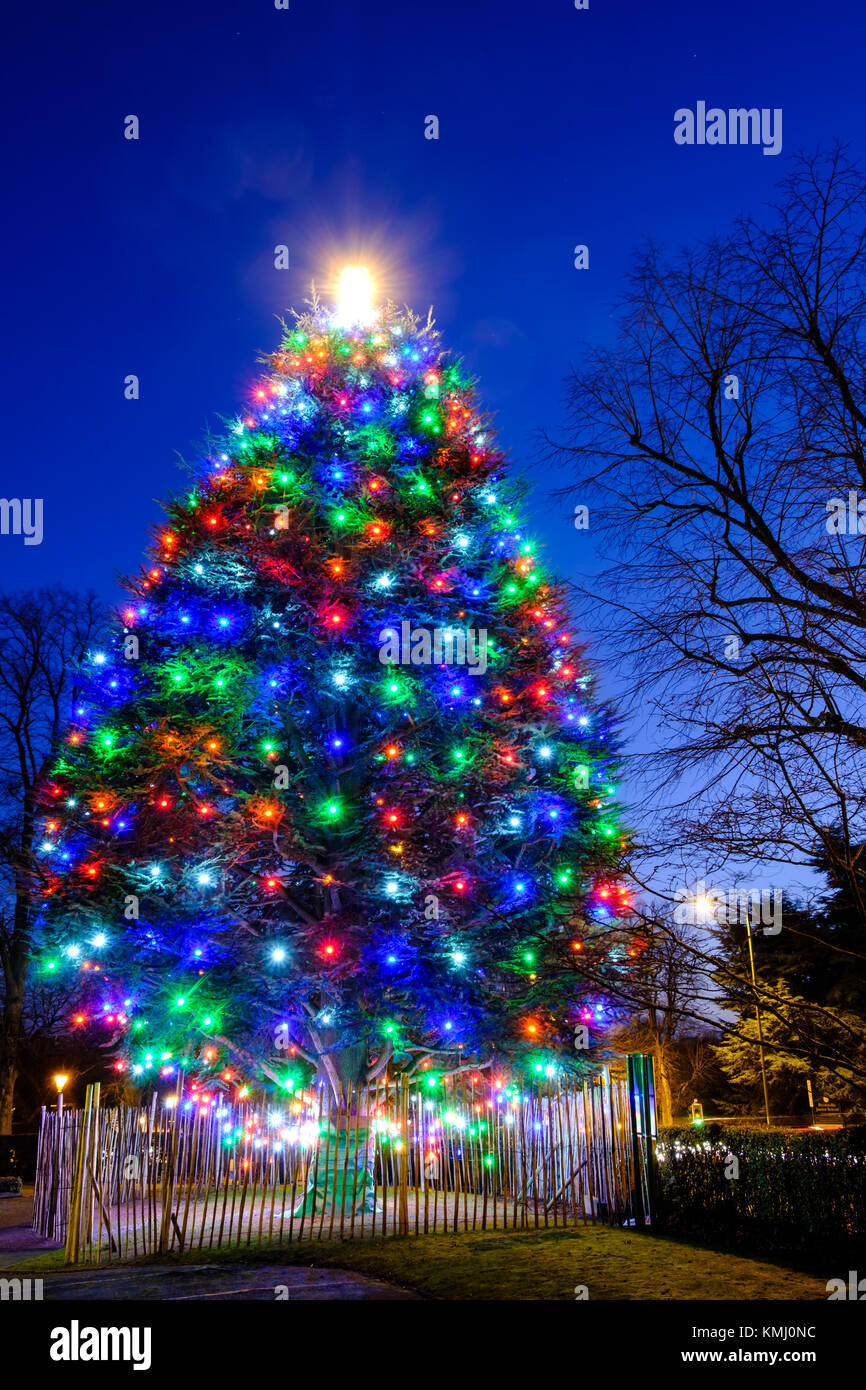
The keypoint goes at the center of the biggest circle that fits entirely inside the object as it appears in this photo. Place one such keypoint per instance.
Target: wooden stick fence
(405, 1157)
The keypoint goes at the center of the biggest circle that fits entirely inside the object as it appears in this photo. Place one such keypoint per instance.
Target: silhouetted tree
(723, 439)
(43, 636)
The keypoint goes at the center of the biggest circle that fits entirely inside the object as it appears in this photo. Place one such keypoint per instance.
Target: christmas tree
(340, 800)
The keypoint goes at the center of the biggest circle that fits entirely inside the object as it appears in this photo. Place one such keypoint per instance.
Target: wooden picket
(403, 1156)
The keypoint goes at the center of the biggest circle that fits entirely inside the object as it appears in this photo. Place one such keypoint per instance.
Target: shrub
(801, 1190)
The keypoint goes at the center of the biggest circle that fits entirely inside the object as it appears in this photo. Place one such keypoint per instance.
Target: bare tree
(665, 976)
(683, 977)
(723, 442)
(43, 637)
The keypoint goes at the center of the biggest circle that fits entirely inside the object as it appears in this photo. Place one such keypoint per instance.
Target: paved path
(18, 1240)
(255, 1283)
(172, 1282)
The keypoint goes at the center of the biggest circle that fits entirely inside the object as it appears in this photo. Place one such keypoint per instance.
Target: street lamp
(705, 904)
(60, 1080)
(757, 1014)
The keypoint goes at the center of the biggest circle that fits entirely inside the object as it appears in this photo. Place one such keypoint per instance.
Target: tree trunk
(347, 1182)
(345, 1066)
(663, 1087)
(10, 1043)
(16, 958)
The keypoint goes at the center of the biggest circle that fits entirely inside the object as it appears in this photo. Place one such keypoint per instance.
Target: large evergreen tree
(286, 827)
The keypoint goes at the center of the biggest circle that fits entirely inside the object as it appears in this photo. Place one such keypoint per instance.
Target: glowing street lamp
(354, 309)
(705, 909)
(60, 1080)
(758, 1018)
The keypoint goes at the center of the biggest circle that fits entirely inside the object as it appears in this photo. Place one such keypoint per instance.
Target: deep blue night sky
(306, 127)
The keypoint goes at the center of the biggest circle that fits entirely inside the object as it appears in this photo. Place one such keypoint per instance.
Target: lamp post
(704, 904)
(60, 1080)
(757, 1015)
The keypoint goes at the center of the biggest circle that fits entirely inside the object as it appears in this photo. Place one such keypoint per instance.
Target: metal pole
(641, 1084)
(758, 1017)
(635, 1078)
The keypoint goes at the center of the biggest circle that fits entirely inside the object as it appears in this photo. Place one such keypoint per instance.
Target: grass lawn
(613, 1264)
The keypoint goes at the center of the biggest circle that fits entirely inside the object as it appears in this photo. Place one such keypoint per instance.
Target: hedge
(795, 1190)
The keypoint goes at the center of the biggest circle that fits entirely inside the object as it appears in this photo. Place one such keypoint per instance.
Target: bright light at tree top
(353, 298)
